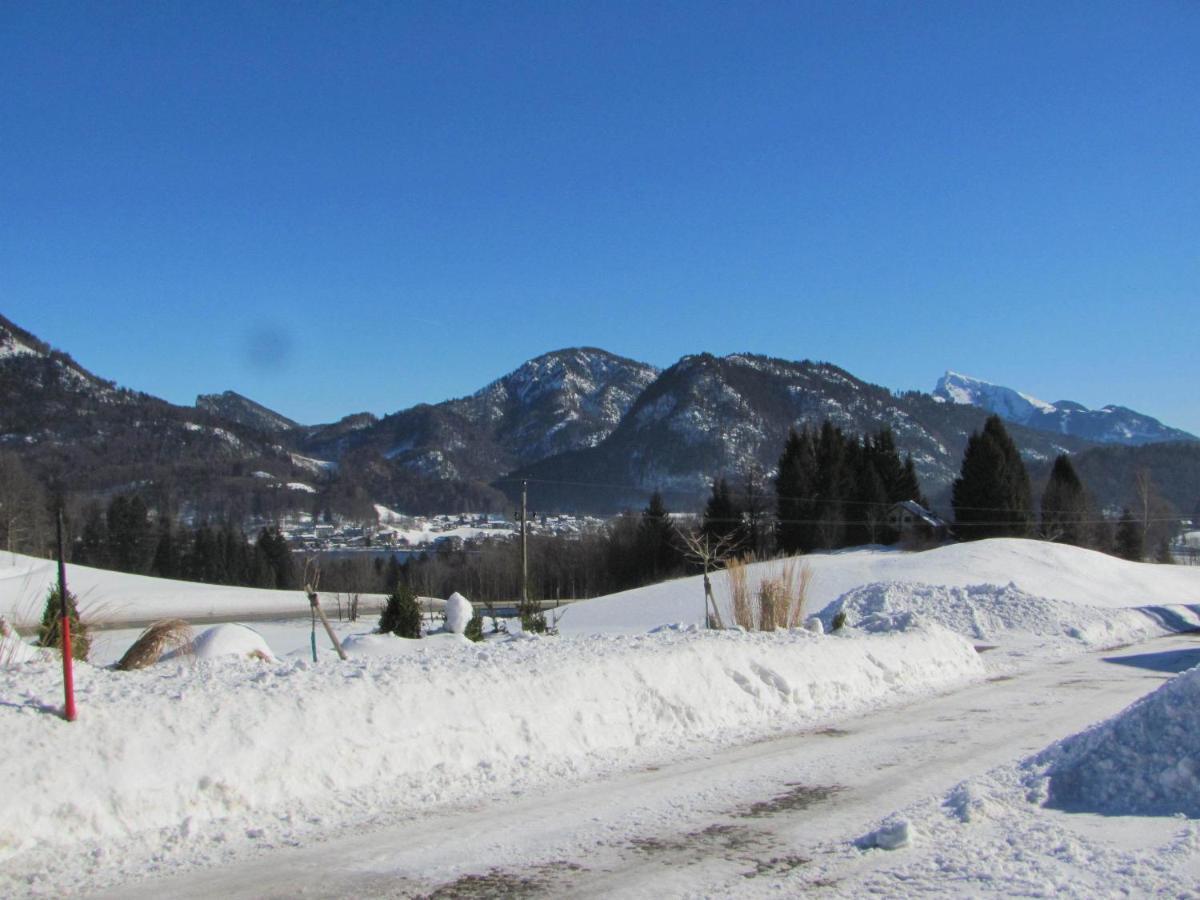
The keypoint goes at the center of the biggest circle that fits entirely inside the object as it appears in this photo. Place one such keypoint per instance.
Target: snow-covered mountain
(707, 416)
(1108, 425)
(558, 402)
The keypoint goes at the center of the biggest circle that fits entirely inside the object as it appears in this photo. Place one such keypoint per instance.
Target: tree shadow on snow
(1172, 661)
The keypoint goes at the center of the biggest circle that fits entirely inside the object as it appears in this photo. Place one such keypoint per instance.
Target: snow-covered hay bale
(226, 640)
(1142, 761)
(458, 613)
(159, 638)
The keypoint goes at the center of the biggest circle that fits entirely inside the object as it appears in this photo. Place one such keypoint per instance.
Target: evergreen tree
(834, 485)
(273, 547)
(50, 631)
(656, 534)
(167, 561)
(723, 516)
(91, 548)
(1128, 542)
(795, 485)
(909, 486)
(1064, 505)
(130, 547)
(401, 616)
(992, 496)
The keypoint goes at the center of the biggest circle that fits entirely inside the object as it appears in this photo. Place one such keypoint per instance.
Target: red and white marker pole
(64, 626)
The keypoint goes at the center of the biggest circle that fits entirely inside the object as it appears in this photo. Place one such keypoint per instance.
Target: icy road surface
(780, 814)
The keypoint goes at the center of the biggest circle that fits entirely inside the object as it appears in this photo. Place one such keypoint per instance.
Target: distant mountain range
(1108, 425)
(590, 430)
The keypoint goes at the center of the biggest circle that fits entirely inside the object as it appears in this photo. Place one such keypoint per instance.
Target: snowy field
(219, 758)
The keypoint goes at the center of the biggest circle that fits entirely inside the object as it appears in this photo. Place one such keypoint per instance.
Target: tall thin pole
(64, 629)
(524, 548)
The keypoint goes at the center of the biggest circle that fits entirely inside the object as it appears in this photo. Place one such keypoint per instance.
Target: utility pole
(524, 549)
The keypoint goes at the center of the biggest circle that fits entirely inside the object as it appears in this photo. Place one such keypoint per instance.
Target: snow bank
(1054, 571)
(1142, 761)
(172, 754)
(988, 612)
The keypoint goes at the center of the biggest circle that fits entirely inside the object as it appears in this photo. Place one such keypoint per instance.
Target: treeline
(123, 537)
(992, 497)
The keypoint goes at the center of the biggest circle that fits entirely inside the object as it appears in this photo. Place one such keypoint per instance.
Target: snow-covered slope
(106, 597)
(1108, 425)
(1053, 571)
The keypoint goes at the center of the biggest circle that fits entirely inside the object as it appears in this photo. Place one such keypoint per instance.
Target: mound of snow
(232, 639)
(986, 612)
(1142, 761)
(458, 613)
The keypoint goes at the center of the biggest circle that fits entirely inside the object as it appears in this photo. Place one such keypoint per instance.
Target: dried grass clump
(740, 608)
(777, 604)
(168, 634)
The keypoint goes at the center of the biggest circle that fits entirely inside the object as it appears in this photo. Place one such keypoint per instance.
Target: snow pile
(1143, 761)
(458, 613)
(174, 754)
(988, 612)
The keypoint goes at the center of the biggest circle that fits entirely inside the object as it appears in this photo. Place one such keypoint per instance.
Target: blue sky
(343, 207)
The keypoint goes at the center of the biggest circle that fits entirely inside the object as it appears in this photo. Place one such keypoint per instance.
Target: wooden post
(64, 629)
(316, 606)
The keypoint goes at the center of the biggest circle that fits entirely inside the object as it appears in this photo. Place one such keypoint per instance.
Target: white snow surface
(166, 756)
(1055, 572)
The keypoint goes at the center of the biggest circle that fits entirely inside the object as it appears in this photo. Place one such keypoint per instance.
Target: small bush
(49, 632)
(533, 622)
(401, 616)
(474, 630)
(839, 621)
